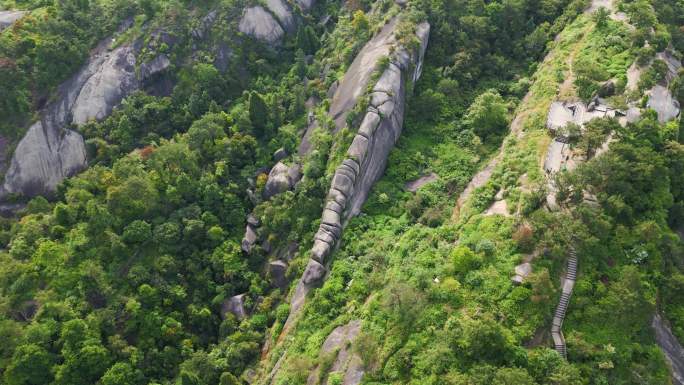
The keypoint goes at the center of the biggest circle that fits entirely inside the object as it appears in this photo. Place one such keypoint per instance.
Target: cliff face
(50, 152)
(367, 155)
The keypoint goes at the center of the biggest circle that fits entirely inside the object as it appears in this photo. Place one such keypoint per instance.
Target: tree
(120, 373)
(132, 199)
(137, 232)
(487, 115)
(30, 365)
(512, 376)
(601, 17)
(258, 115)
(228, 378)
(307, 40)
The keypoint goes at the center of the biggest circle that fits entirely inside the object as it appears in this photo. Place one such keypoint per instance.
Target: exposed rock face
(414, 185)
(250, 238)
(356, 79)
(659, 97)
(284, 14)
(673, 350)
(8, 18)
(110, 81)
(49, 152)
(367, 155)
(236, 306)
(260, 24)
(661, 100)
(154, 66)
(278, 272)
(346, 361)
(281, 178)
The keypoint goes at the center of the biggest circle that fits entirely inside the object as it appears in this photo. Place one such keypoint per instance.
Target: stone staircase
(562, 308)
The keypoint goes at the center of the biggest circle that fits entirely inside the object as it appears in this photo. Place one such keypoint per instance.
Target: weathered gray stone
(249, 240)
(331, 217)
(320, 250)
(660, 99)
(334, 206)
(278, 272)
(49, 153)
(358, 148)
(280, 154)
(370, 122)
(414, 185)
(205, 25)
(8, 18)
(313, 273)
(253, 220)
(113, 80)
(260, 24)
(324, 236)
(356, 79)
(235, 305)
(43, 158)
(607, 89)
(333, 89)
(347, 361)
(284, 14)
(278, 181)
(671, 347)
(154, 66)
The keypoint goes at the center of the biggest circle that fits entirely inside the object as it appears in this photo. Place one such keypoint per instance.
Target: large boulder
(284, 14)
(49, 152)
(236, 306)
(281, 178)
(377, 134)
(111, 80)
(43, 158)
(661, 100)
(7, 18)
(260, 24)
(278, 273)
(346, 360)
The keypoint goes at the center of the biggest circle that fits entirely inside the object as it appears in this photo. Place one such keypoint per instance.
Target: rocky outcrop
(107, 82)
(270, 24)
(281, 178)
(674, 353)
(7, 18)
(367, 155)
(414, 185)
(236, 306)
(346, 362)
(355, 81)
(282, 11)
(260, 24)
(277, 270)
(49, 152)
(660, 99)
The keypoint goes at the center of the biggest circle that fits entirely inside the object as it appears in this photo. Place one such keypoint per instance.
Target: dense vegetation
(121, 279)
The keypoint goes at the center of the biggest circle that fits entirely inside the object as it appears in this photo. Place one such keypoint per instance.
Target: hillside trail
(516, 128)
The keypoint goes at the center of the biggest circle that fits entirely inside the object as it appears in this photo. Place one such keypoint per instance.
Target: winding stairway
(562, 308)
